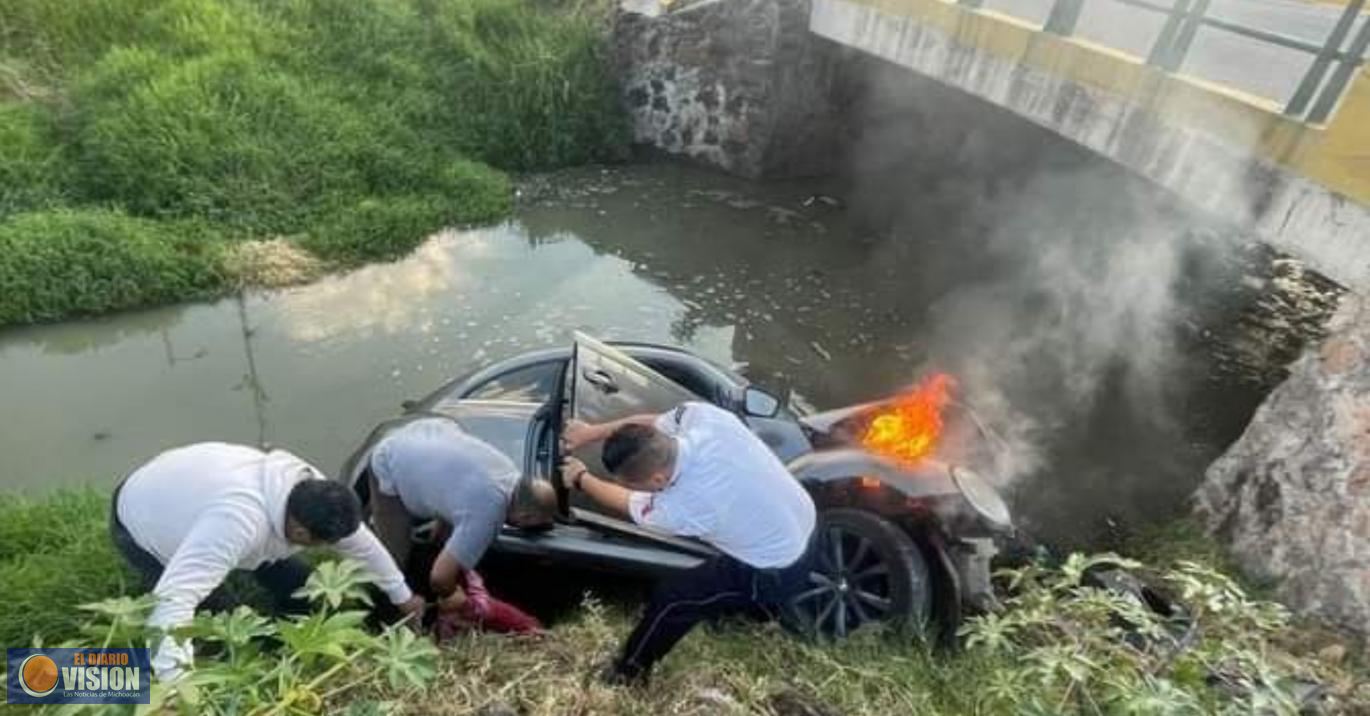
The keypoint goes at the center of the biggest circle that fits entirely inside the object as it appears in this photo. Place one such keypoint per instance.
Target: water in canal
(1116, 411)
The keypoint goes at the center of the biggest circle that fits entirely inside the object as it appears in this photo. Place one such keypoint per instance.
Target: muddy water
(786, 278)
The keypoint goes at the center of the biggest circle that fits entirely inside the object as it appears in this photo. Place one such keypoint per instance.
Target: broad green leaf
(409, 661)
(336, 583)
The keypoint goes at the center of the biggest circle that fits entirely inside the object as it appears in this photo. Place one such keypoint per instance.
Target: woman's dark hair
(634, 451)
(327, 509)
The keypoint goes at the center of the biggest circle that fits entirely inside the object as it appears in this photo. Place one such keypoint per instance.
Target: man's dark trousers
(280, 579)
(720, 587)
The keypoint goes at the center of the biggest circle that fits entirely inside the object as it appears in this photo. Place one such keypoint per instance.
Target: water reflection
(101, 332)
(385, 299)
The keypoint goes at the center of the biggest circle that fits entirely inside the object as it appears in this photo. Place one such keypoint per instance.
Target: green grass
(77, 261)
(375, 229)
(29, 526)
(53, 36)
(33, 174)
(352, 127)
(1179, 539)
(220, 137)
(55, 553)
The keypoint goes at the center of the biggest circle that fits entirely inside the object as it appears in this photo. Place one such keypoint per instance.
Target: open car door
(607, 384)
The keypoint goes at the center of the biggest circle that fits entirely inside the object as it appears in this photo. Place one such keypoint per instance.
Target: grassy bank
(1056, 649)
(145, 140)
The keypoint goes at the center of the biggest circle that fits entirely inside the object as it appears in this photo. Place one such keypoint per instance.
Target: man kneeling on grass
(190, 516)
(431, 469)
(698, 471)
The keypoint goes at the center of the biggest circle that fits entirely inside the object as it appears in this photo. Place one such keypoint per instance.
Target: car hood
(966, 440)
(829, 420)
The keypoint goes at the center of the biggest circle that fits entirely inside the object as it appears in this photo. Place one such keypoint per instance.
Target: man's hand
(578, 433)
(412, 611)
(453, 602)
(603, 492)
(572, 471)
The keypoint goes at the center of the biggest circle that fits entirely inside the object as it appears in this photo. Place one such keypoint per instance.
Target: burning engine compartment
(909, 427)
(925, 423)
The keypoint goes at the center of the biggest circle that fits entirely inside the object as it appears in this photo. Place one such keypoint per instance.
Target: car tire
(865, 570)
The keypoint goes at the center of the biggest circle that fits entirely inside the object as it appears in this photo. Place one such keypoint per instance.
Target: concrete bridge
(1255, 111)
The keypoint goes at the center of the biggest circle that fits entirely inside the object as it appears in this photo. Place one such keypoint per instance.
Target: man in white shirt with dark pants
(698, 471)
(191, 515)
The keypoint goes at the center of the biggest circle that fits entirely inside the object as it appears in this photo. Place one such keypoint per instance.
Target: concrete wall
(1223, 152)
(1338, 155)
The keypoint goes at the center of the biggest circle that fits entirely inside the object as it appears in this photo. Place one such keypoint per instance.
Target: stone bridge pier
(738, 84)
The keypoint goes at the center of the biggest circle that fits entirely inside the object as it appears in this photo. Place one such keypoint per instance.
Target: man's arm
(648, 509)
(474, 525)
(213, 547)
(608, 494)
(575, 476)
(445, 578)
(363, 546)
(578, 433)
(459, 589)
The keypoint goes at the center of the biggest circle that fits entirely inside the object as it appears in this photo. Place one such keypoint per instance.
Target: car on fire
(903, 538)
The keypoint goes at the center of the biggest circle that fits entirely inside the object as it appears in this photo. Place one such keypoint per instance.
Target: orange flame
(907, 428)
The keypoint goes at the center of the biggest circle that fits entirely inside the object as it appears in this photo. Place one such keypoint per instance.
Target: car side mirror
(759, 403)
(409, 405)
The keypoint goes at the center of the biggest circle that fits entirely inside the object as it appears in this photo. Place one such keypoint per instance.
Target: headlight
(982, 496)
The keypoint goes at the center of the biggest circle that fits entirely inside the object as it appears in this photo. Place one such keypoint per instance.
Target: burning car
(907, 525)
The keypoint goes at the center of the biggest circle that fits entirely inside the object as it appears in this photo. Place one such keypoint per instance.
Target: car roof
(635, 349)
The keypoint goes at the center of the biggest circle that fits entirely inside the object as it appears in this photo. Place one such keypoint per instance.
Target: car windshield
(530, 384)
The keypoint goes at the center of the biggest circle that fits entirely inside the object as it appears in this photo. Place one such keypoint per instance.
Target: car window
(685, 379)
(610, 384)
(532, 384)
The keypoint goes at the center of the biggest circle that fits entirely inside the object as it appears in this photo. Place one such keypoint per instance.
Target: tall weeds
(67, 261)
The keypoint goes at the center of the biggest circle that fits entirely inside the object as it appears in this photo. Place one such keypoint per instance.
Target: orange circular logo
(38, 675)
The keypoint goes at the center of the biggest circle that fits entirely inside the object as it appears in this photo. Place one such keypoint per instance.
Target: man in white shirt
(698, 471)
(191, 515)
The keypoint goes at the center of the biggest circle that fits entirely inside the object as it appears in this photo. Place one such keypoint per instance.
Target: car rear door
(607, 385)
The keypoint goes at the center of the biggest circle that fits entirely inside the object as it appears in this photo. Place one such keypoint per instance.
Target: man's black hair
(327, 509)
(634, 451)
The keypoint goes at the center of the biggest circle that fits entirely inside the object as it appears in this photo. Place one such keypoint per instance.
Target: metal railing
(1185, 17)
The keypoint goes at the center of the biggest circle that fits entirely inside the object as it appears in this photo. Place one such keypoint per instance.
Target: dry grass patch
(22, 83)
(734, 669)
(271, 264)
